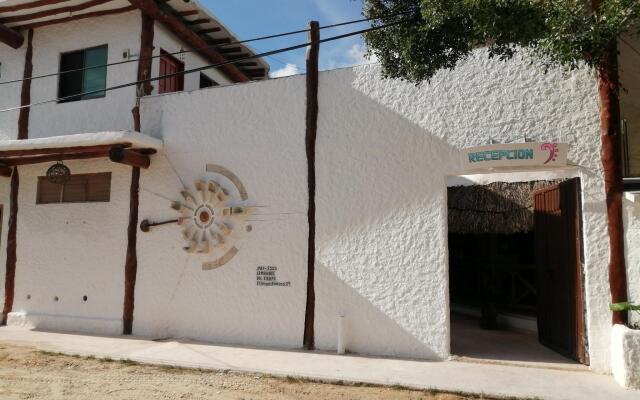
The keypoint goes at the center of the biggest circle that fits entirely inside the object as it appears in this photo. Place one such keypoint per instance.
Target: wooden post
(10, 37)
(131, 261)
(611, 156)
(311, 131)
(10, 269)
(144, 66)
(25, 94)
(5, 170)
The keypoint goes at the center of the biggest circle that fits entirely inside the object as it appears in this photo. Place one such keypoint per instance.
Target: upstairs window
(83, 78)
(206, 82)
(170, 65)
(79, 188)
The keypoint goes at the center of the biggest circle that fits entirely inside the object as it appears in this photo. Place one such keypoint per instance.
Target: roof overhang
(198, 27)
(124, 147)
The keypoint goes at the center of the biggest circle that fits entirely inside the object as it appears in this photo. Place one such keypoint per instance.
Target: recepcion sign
(513, 155)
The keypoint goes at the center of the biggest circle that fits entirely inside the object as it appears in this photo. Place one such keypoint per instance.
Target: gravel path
(26, 373)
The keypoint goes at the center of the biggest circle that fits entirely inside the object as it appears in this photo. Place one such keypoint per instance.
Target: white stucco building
(230, 265)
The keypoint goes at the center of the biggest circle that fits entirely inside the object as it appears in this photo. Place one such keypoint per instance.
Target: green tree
(557, 33)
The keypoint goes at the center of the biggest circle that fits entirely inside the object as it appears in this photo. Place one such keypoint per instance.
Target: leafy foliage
(440, 33)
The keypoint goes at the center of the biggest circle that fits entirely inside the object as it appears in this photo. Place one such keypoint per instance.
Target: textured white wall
(632, 238)
(625, 356)
(385, 149)
(72, 250)
(256, 131)
(12, 68)
(383, 232)
(109, 113)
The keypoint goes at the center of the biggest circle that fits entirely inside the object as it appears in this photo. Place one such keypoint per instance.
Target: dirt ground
(26, 373)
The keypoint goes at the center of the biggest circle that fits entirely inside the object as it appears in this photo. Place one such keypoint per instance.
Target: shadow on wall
(369, 327)
(381, 226)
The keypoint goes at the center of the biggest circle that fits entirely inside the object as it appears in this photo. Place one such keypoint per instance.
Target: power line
(212, 47)
(630, 46)
(265, 54)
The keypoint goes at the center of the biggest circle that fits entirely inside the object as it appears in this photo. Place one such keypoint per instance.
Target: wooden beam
(53, 11)
(11, 261)
(187, 13)
(5, 170)
(232, 57)
(208, 30)
(215, 42)
(246, 64)
(198, 21)
(10, 37)
(75, 18)
(310, 140)
(25, 92)
(129, 157)
(175, 25)
(54, 157)
(226, 50)
(131, 259)
(33, 4)
(59, 151)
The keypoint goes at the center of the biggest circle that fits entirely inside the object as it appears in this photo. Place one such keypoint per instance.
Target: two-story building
(163, 210)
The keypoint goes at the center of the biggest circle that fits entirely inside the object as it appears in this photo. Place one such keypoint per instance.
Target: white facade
(386, 152)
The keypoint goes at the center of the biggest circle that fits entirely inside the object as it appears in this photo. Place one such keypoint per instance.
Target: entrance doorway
(515, 266)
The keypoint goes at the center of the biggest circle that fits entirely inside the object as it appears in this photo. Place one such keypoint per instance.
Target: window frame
(179, 77)
(205, 77)
(80, 97)
(61, 193)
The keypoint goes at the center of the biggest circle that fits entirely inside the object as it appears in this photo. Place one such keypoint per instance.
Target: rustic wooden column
(311, 131)
(23, 133)
(10, 269)
(131, 261)
(10, 37)
(25, 94)
(144, 66)
(611, 156)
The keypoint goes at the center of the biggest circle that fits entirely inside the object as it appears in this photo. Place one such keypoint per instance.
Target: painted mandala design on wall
(213, 217)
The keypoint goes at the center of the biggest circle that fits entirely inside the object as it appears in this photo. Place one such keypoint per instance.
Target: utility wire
(630, 46)
(265, 54)
(213, 47)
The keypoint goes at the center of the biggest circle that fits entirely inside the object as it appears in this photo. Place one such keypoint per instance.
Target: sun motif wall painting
(214, 216)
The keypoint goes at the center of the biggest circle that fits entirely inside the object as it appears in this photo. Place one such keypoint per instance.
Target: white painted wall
(631, 215)
(256, 131)
(71, 250)
(385, 149)
(110, 113)
(392, 218)
(120, 32)
(12, 68)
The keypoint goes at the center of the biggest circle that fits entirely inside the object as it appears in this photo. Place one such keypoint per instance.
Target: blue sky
(253, 18)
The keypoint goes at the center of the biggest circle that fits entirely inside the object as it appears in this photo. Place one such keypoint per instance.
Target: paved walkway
(495, 380)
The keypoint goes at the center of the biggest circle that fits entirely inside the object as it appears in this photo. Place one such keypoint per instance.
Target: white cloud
(357, 54)
(351, 56)
(287, 70)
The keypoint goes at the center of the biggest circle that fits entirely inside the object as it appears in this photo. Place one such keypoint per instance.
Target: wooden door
(170, 65)
(559, 269)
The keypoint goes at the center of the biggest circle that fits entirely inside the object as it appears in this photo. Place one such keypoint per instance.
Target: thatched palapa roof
(499, 207)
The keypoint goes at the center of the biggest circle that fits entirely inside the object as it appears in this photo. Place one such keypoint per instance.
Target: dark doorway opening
(515, 276)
